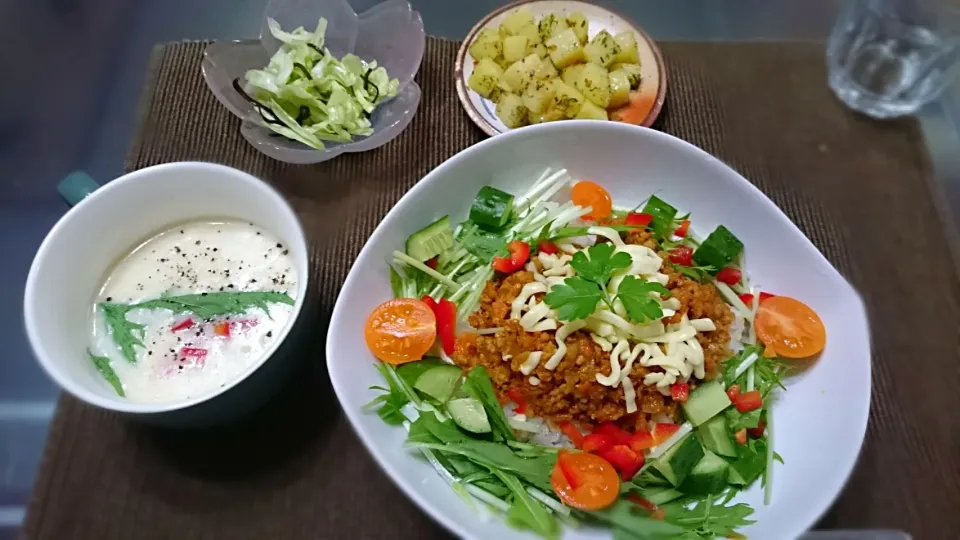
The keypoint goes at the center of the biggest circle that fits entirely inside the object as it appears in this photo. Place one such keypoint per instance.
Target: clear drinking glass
(887, 58)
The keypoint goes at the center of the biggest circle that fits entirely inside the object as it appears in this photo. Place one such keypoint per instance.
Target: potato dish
(541, 71)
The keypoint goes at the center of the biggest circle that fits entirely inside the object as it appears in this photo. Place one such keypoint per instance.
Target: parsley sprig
(578, 297)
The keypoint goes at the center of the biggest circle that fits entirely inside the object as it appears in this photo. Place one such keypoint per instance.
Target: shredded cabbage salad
(306, 94)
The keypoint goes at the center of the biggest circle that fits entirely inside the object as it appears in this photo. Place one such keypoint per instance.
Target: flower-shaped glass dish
(390, 33)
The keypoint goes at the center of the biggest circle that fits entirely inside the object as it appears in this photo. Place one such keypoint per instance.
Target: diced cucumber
(708, 476)
(679, 460)
(719, 249)
(431, 240)
(715, 436)
(749, 465)
(439, 382)
(468, 413)
(705, 402)
(662, 213)
(661, 495)
(491, 208)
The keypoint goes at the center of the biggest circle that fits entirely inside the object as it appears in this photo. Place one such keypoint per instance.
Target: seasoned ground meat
(571, 391)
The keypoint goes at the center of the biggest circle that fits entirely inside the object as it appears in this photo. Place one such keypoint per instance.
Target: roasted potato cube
(628, 54)
(514, 48)
(532, 33)
(570, 74)
(538, 96)
(632, 70)
(486, 74)
(566, 99)
(589, 111)
(517, 20)
(602, 49)
(565, 49)
(500, 61)
(546, 70)
(579, 25)
(538, 49)
(594, 83)
(619, 88)
(521, 73)
(549, 115)
(487, 45)
(511, 112)
(550, 26)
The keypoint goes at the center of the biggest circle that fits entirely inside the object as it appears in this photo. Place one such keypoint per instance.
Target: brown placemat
(859, 189)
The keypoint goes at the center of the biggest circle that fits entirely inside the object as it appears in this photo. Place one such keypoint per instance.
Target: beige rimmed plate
(646, 101)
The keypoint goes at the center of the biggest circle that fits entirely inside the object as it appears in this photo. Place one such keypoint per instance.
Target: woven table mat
(858, 188)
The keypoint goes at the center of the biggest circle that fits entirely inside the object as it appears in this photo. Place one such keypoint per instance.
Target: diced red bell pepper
(597, 442)
(429, 301)
(662, 432)
(517, 398)
(757, 432)
(615, 432)
(680, 392)
(182, 325)
(548, 247)
(519, 254)
(741, 436)
(642, 440)
(729, 275)
(445, 312)
(432, 263)
(765, 295)
(641, 502)
(682, 255)
(683, 229)
(572, 433)
(733, 392)
(623, 459)
(193, 352)
(570, 473)
(222, 329)
(748, 401)
(638, 219)
(747, 298)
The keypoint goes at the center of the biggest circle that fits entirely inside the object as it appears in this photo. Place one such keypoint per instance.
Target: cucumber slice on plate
(715, 436)
(719, 249)
(431, 240)
(677, 462)
(491, 208)
(709, 476)
(705, 402)
(468, 413)
(439, 382)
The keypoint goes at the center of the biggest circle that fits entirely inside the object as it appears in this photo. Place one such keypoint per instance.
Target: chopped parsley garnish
(640, 305)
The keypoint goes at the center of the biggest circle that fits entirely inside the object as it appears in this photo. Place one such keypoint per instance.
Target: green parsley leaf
(707, 519)
(602, 262)
(636, 298)
(103, 366)
(575, 298)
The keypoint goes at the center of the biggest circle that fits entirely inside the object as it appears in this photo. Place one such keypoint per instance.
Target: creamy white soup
(191, 309)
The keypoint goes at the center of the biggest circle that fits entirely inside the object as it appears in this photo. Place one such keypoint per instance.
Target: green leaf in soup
(217, 304)
(102, 364)
(127, 335)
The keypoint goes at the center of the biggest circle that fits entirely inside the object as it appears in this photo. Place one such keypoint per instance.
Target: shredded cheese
(534, 381)
(562, 333)
(531, 363)
(614, 377)
(528, 290)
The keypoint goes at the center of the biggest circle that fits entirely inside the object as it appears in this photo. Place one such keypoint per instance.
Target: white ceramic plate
(653, 85)
(819, 422)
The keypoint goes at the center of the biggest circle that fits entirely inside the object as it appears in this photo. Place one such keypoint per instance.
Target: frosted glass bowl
(390, 33)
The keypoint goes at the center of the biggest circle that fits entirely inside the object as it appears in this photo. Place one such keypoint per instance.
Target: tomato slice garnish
(748, 401)
(587, 193)
(638, 219)
(682, 255)
(790, 327)
(400, 330)
(599, 483)
(729, 275)
(548, 247)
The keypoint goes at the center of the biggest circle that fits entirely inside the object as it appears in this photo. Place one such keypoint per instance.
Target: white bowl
(77, 253)
(819, 421)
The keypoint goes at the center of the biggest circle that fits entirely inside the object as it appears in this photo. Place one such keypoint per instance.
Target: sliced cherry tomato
(222, 329)
(642, 440)
(623, 459)
(741, 436)
(432, 263)
(682, 255)
(400, 330)
(587, 193)
(548, 247)
(597, 442)
(572, 433)
(729, 275)
(790, 327)
(662, 432)
(517, 398)
(182, 325)
(638, 219)
(680, 392)
(519, 254)
(748, 401)
(683, 229)
(733, 392)
(599, 483)
(615, 432)
(757, 432)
